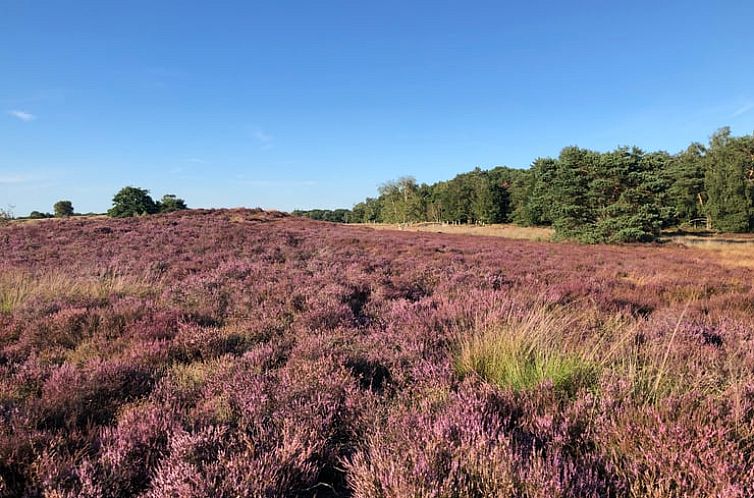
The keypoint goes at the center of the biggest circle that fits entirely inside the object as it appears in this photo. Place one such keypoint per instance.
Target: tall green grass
(527, 352)
(567, 348)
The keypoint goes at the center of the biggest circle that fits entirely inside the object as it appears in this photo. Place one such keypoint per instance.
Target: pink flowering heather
(245, 353)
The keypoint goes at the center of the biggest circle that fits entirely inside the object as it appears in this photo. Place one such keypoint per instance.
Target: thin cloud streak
(742, 110)
(24, 116)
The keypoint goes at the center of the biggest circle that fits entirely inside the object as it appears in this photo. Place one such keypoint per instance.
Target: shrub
(63, 209)
(36, 215)
(170, 203)
(475, 443)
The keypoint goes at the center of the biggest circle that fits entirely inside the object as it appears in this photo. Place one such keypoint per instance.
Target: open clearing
(507, 231)
(729, 249)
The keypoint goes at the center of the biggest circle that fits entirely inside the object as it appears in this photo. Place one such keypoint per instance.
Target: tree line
(128, 201)
(624, 195)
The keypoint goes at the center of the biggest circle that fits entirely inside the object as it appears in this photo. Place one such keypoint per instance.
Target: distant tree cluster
(476, 197)
(129, 201)
(332, 215)
(134, 201)
(479, 196)
(38, 215)
(625, 195)
(61, 209)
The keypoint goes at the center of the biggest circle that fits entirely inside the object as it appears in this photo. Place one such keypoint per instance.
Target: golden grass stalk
(17, 287)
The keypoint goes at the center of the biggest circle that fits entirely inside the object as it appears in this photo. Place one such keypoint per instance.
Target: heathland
(249, 353)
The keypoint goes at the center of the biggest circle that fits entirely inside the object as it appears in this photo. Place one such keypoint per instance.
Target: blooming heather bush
(682, 445)
(477, 442)
(460, 448)
(244, 353)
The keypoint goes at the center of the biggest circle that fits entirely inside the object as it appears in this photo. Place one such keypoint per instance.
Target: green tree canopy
(332, 215)
(402, 201)
(170, 203)
(729, 182)
(132, 201)
(63, 209)
(685, 175)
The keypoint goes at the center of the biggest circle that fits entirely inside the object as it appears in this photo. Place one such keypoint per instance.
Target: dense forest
(625, 195)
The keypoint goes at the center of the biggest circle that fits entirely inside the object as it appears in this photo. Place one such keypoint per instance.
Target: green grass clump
(525, 354)
(511, 362)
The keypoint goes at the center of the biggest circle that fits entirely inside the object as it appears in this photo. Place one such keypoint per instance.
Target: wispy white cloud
(196, 160)
(743, 110)
(22, 115)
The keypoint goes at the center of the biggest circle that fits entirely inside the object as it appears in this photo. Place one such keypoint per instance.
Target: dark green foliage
(132, 201)
(604, 197)
(63, 209)
(170, 203)
(504, 184)
(331, 215)
(37, 215)
(729, 182)
(532, 194)
(479, 196)
(367, 211)
(571, 200)
(685, 175)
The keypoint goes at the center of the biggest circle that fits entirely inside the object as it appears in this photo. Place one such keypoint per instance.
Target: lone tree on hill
(63, 209)
(132, 201)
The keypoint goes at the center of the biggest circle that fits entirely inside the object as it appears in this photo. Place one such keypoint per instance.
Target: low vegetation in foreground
(243, 353)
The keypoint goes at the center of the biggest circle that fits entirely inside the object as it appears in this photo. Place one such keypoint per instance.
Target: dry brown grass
(731, 251)
(16, 288)
(735, 255)
(505, 231)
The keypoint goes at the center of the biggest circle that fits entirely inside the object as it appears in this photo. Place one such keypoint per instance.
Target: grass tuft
(527, 353)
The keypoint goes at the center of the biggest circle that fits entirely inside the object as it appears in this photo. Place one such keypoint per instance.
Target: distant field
(735, 250)
(506, 231)
(729, 249)
(247, 353)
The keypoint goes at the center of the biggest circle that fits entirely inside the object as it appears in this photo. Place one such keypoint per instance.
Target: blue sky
(313, 104)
